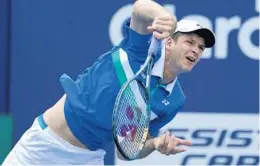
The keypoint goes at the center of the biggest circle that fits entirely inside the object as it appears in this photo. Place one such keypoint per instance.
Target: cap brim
(208, 36)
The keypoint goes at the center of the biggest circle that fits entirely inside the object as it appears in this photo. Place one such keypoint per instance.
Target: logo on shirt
(165, 102)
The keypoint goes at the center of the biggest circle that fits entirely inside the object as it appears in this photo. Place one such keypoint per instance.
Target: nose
(195, 50)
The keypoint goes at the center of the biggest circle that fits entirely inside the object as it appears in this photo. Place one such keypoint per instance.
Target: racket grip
(153, 49)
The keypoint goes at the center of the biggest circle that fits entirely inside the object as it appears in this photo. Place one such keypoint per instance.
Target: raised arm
(148, 16)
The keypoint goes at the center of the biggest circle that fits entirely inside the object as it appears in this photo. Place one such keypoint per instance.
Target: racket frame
(147, 64)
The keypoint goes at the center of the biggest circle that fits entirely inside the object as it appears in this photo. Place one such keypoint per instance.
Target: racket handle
(153, 49)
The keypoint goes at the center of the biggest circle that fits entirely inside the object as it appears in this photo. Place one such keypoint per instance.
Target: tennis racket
(131, 112)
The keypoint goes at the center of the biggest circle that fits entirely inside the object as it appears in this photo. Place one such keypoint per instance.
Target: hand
(163, 26)
(167, 144)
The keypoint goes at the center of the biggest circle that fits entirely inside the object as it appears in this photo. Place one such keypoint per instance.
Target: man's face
(186, 51)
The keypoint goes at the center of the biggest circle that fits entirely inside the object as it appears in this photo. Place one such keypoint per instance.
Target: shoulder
(103, 62)
(101, 71)
(180, 89)
(106, 56)
(177, 96)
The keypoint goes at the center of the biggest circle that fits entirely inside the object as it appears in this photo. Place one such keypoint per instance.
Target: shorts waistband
(41, 122)
(58, 144)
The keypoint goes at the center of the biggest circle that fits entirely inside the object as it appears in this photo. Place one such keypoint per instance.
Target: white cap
(194, 26)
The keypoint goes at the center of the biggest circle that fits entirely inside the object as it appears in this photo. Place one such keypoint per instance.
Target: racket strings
(132, 117)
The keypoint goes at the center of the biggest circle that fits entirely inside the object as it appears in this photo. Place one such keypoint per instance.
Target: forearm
(144, 12)
(148, 148)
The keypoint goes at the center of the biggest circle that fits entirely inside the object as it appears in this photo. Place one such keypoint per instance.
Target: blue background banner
(4, 55)
(48, 38)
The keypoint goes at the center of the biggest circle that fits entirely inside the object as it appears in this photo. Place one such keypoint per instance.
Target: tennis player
(78, 127)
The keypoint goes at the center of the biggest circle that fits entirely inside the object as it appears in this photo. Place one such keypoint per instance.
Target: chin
(187, 69)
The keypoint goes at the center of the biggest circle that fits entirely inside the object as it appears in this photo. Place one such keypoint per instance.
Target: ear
(168, 44)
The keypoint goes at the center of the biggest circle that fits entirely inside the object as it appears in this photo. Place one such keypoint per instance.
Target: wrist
(149, 147)
(150, 143)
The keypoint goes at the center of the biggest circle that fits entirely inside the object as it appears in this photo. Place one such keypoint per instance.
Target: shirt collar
(158, 68)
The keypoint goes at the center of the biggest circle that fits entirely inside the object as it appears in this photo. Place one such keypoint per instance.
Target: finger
(161, 36)
(164, 35)
(163, 22)
(183, 142)
(161, 28)
(164, 149)
(178, 150)
(150, 28)
(160, 142)
(172, 144)
(166, 20)
(164, 17)
(158, 35)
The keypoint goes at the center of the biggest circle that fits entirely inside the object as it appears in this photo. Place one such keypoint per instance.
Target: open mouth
(191, 59)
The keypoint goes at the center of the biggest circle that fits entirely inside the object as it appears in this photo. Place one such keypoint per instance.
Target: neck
(168, 77)
(168, 74)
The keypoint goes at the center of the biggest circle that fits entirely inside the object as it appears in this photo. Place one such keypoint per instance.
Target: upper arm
(158, 123)
(143, 14)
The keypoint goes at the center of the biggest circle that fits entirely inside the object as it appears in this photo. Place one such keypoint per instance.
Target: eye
(202, 48)
(189, 41)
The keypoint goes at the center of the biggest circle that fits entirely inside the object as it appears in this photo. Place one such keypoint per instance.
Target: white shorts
(39, 146)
